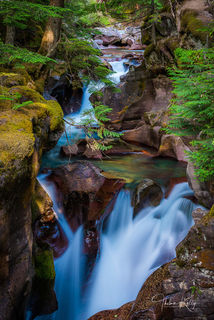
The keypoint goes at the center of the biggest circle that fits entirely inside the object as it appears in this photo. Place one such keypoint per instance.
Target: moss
(44, 264)
(55, 112)
(180, 263)
(211, 213)
(40, 84)
(28, 94)
(191, 24)
(12, 79)
(146, 37)
(5, 104)
(16, 137)
(149, 49)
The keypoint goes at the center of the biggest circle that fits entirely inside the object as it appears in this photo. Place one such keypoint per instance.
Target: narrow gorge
(106, 204)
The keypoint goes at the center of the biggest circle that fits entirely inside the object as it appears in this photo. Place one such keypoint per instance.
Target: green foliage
(192, 110)
(10, 54)
(93, 123)
(82, 58)
(131, 9)
(18, 13)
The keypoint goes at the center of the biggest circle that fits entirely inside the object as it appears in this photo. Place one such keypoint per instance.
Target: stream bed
(131, 247)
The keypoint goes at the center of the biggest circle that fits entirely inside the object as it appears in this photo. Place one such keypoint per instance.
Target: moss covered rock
(192, 24)
(44, 264)
(12, 79)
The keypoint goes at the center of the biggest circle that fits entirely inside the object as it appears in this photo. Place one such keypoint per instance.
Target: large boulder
(85, 191)
(146, 193)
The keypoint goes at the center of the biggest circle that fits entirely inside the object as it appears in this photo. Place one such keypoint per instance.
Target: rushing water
(130, 248)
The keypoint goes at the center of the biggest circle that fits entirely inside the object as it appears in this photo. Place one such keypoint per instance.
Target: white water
(69, 267)
(132, 249)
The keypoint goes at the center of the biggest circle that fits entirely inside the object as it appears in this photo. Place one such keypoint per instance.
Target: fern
(192, 109)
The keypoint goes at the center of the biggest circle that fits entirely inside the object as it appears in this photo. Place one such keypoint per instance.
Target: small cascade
(118, 223)
(131, 249)
(119, 69)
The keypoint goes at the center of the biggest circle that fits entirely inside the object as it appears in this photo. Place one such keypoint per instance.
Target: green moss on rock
(18, 128)
(44, 264)
(28, 94)
(190, 23)
(149, 49)
(12, 79)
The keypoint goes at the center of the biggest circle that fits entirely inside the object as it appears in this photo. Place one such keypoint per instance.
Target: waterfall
(70, 266)
(131, 249)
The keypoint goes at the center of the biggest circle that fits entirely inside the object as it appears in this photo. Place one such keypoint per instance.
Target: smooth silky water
(130, 248)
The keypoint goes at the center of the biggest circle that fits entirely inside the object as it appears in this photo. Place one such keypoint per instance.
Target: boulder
(146, 193)
(85, 191)
(144, 135)
(173, 146)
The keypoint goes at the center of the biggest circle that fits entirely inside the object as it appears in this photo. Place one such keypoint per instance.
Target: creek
(131, 247)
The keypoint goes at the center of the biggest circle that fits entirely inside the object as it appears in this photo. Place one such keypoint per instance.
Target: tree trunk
(52, 32)
(153, 23)
(10, 35)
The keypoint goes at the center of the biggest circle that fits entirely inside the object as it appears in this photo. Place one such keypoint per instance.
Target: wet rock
(69, 151)
(43, 298)
(61, 88)
(140, 93)
(145, 135)
(173, 146)
(50, 234)
(204, 191)
(85, 191)
(146, 193)
(84, 149)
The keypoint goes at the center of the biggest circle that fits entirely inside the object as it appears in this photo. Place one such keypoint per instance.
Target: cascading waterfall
(130, 249)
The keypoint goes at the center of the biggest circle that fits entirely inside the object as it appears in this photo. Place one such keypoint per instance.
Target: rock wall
(141, 106)
(24, 134)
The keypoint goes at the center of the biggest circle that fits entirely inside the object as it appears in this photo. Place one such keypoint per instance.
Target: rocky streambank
(25, 134)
